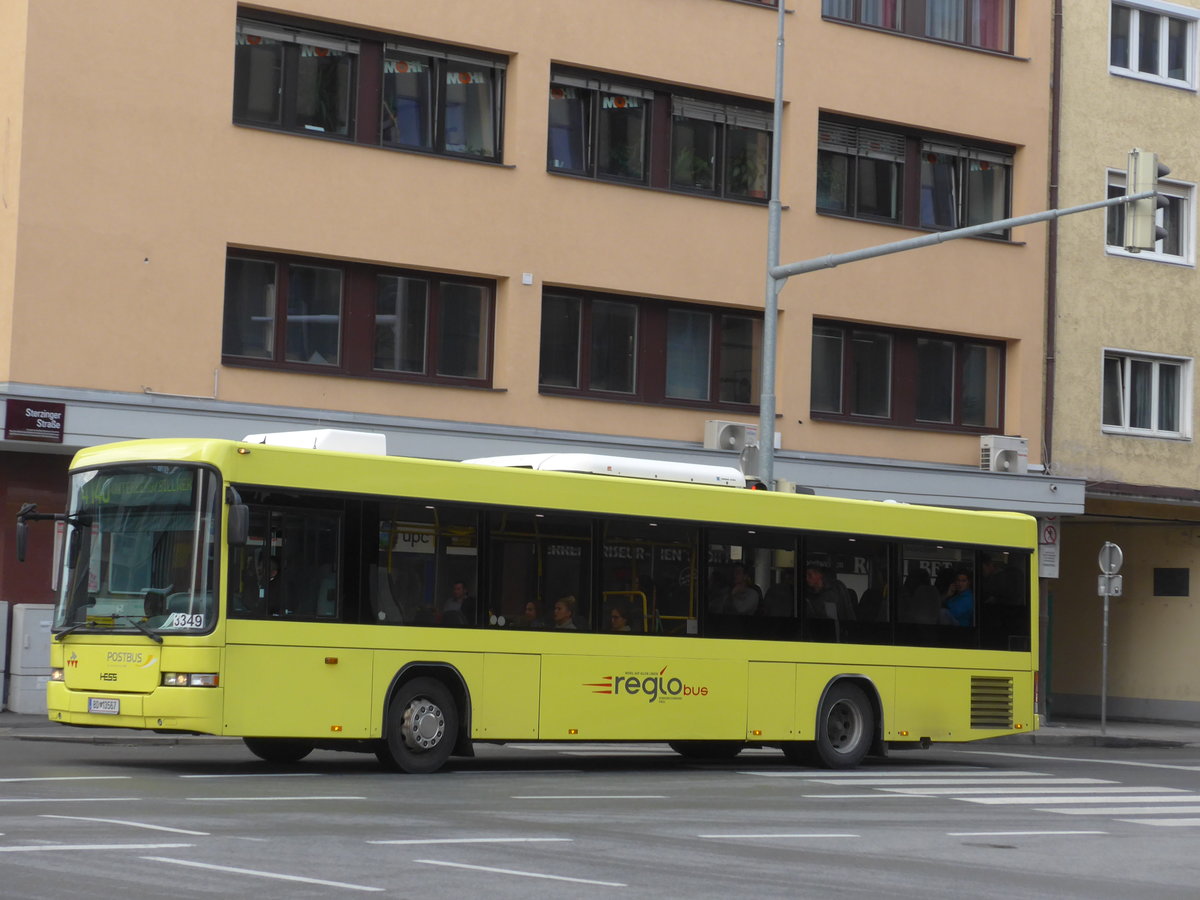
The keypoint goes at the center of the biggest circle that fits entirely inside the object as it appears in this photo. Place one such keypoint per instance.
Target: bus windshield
(139, 552)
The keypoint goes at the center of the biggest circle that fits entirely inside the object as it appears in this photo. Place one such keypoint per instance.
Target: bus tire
(710, 750)
(845, 728)
(278, 750)
(421, 728)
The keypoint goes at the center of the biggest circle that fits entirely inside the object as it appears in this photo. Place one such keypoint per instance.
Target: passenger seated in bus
(826, 597)
(744, 595)
(531, 616)
(999, 583)
(618, 618)
(959, 605)
(459, 607)
(564, 613)
(718, 592)
(920, 602)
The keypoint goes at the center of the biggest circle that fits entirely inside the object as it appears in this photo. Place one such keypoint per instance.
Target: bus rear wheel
(421, 728)
(711, 750)
(278, 750)
(845, 730)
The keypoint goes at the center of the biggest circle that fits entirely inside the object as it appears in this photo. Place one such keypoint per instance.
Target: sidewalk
(1060, 732)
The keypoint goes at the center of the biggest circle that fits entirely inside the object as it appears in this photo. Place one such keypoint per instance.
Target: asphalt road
(188, 820)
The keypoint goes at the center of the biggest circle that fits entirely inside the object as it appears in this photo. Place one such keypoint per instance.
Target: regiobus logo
(653, 686)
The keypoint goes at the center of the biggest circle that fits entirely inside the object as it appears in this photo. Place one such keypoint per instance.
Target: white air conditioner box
(27, 694)
(1000, 453)
(30, 639)
(3, 648)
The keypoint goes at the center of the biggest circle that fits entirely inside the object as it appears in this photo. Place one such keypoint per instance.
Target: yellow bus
(306, 598)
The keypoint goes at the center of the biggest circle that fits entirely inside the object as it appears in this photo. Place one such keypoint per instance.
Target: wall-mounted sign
(34, 420)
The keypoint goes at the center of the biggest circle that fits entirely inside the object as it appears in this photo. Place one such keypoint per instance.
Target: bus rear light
(190, 679)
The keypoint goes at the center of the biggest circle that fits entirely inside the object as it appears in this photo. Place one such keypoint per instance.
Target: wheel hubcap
(424, 724)
(844, 726)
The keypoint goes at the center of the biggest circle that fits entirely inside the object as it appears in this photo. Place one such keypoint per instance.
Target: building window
(1153, 41)
(863, 170)
(898, 377)
(368, 89)
(1147, 394)
(349, 319)
(618, 347)
(983, 24)
(1176, 246)
(646, 134)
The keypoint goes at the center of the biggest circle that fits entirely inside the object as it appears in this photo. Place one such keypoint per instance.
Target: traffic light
(1142, 230)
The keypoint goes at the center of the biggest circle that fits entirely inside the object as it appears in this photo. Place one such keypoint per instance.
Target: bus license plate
(105, 706)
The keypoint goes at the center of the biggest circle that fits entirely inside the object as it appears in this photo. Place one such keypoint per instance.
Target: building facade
(503, 227)
(1123, 376)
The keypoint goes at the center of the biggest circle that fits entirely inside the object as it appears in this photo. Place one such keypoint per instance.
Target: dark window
(1171, 582)
(1146, 43)
(898, 377)
(541, 570)
(985, 24)
(649, 350)
(875, 172)
(640, 133)
(369, 89)
(356, 319)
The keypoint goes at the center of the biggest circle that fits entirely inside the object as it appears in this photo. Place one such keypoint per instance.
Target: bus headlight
(189, 679)
(56, 675)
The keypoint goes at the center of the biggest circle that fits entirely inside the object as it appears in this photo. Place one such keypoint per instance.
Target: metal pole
(1104, 672)
(766, 403)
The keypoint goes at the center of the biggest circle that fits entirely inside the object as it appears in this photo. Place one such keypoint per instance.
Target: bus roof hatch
(623, 466)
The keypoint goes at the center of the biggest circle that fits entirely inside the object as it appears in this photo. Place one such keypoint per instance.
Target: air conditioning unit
(722, 435)
(1000, 453)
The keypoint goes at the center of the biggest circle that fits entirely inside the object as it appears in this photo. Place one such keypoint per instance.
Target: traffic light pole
(777, 275)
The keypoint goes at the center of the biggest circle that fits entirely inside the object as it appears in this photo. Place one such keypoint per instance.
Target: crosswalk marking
(1163, 821)
(1123, 810)
(1141, 797)
(963, 782)
(1041, 789)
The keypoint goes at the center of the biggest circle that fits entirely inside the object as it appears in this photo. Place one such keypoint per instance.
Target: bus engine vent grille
(991, 702)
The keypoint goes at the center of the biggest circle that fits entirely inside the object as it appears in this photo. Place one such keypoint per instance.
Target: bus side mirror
(22, 539)
(74, 542)
(238, 529)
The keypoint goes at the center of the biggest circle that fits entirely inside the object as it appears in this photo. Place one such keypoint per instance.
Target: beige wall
(135, 182)
(12, 88)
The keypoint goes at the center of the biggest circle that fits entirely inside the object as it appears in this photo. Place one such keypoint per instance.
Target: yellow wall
(135, 181)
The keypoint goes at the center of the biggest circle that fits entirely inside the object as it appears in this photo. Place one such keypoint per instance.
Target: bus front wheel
(278, 750)
(845, 729)
(422, 727)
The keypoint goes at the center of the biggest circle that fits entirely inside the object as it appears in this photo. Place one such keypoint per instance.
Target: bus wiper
(59, 635)
(140, 626)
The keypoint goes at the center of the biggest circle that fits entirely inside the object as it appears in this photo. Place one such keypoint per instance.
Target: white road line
(616, 753)
(1050, 801)
(1125, 810)
(767, 837)
(267, 799)
(125, 822)
(66, 799)
(262, 775)
(480, 840)
(452, 865)
(874, 796)
(506, 771)
(899, 773)
(59, 848)
(590, 797)
(965, 782)
(276, 875)
(1108, 762)
(68, 778)
(1016, 833)
(1163, 821)
(1052, 789)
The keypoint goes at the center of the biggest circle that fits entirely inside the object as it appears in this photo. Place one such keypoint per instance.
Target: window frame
(664, 107)
(903, 372)
(1127, 358)
(649, 363)
(911, 18)
(1181, 191)
(358, 311)
(909, 149)
(367, 83)
(1167, 11)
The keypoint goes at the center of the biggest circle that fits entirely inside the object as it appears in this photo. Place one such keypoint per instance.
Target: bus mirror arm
(28, 512)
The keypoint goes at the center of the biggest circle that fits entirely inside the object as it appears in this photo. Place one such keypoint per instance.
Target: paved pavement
(1059, 732)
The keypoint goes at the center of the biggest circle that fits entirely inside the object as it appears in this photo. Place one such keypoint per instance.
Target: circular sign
(1111, 558)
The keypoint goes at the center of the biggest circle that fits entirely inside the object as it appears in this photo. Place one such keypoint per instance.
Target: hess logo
(649, 685)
